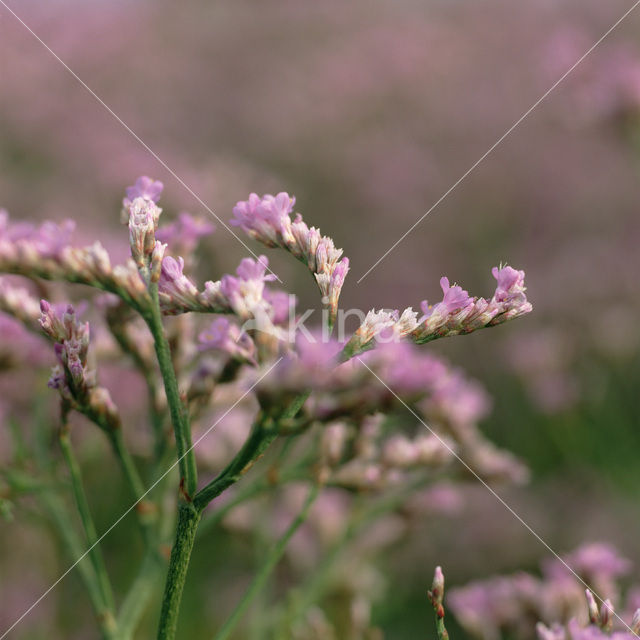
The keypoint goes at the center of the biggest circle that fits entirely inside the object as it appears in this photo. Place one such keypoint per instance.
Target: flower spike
(268, 220)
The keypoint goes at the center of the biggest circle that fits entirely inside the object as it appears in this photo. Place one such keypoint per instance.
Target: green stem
(251, 450)
(190, 512)
(269, 565)
(188, 519)
(58, 514)
(140, 593)
(255, 445)
(95, 553)
(179, 417)
(442, 632)
(211, 519)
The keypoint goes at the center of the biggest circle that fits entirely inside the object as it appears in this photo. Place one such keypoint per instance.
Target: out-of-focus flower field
(369, 112)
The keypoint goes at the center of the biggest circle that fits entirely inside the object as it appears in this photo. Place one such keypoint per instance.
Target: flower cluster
(365, 457)
(145, 188)
(72, 377)
(19, 303)
(347, 396)
(45, 251)
(142, 215)
(244, 294)
(268, 219)
(457, 313)
(224, 335)
(602, 620)
(513, 604)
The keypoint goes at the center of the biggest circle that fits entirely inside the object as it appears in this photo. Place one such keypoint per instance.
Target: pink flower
(45, 241)
(264, 218)
(146, 188)
(282, 305)
(71, 348)
(244, 293)
(596, 561)
(185, 232)
(459, 313)
(250, 269)
(455, 297)
(226, 336)
(176, 290)
(268, 220)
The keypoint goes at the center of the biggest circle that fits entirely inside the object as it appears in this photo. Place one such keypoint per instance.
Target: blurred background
(369, 112)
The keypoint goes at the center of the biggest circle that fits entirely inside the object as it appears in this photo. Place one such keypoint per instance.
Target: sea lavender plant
(312, 404)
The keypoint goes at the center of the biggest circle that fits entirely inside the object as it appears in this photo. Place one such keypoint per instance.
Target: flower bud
(606, 615)
(143, 220)
(437, 588)
(594, 614)
(156, 261)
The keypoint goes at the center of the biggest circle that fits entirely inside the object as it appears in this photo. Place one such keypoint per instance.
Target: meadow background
(368, 112)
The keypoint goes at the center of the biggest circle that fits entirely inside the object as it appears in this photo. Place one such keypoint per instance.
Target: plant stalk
(88, 525)
(190, 512)
(179, 418)
(188, 519)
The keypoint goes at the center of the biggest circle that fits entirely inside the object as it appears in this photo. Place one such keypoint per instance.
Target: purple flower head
(245, 212)
(462, 400)
(595, 562)
(71, 346)
(143, 221)
(59, 322)
(555, 632)
(486, 608)
(226, 336)
(282, 305)
(185, 232)
(449, 314)
(426, 309)
(45, 241)
(268, 219)
(174, 286)
(510, 283)
(57, 380)
(146, 188)
(404, 368)
(171, 270)
(276, 209)
(250, 269)
(455, 297)
(314, 351)
(592, 632)
(265, 218)
(245, 293)
(313, 362)
(339, 273)
(50, 239)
